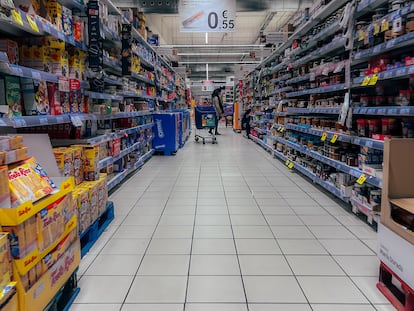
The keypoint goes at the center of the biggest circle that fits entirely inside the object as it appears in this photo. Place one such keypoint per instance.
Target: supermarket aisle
(219, 226)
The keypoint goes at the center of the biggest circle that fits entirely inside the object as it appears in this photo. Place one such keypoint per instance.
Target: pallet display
(326, 99)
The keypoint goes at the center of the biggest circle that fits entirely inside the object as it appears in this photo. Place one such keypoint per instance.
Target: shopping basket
(205, 118)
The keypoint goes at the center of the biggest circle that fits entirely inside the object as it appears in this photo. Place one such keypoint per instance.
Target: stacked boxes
(6, 271)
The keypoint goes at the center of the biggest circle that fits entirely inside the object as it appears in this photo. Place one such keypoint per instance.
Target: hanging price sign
(377, 28)
(17, 17)
(291, 165)
(385, 25)
(334, 138)
(324, 135)
(32, 23)
(207, 16)
(362, 179)
(373, 80)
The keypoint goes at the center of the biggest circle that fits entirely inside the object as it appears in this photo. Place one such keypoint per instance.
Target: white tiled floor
(227, 228)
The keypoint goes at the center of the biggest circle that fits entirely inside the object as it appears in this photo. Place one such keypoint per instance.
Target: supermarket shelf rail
(319, 90)
(89, 237)
(397, 73)
(358, 207)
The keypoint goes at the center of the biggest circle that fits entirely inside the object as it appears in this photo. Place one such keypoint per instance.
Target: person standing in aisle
(218, 106)
(246, 121)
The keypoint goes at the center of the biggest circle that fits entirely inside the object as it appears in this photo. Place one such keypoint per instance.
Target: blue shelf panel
(142, 78)
(121, 176)
(321, 52)
(360, 141)
(26, 72)
(282, 78)
(353, 171)
(119, 115)
(28, 121)
(96, 95)
(110, 160)
(73, 4)
(279, 66)
(314, 110)
(146, 64)
(398, 73)
(366, 6)
(281, 90)
(113, 81)
(404, 40)
(116, 66)
(404, 111)
(259, 130)
(136, 95)
(280, 114)
(305, 77)
(326, 89)
(262, 144)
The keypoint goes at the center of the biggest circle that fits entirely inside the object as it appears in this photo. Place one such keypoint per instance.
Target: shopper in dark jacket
(246, 119)
(218, 106)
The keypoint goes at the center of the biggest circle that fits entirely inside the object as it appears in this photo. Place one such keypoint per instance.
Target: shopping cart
(205, 118)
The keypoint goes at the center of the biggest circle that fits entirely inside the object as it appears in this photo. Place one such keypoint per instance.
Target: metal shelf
(96, 95)
(282, 78)
(366, 6)
(364, 209)
(326, 89)
(360, 141)
(113, 81)
(121, 176)
(335, 111)
(281, 90)
(353, 171)
(146, 63)
(141, 78)
(262, 144)
(398, 73)
(109, 160)
(305, 77)
(404, 111)
(73, 4)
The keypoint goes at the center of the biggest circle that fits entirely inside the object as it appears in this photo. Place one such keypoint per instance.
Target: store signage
(208, 86)
(207, 16)
(95, 50)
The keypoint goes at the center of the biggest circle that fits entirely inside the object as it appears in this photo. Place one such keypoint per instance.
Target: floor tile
(292, 232)
(257, 246)
(143, 220)
(114, 265)
(213, 246)
(252, 232)
(214, 265)
(248, 220)
(212, 220)
(215, 307)
(125, 246)
(273, 289)
(346, 247)
(158, 289)
(95, 307)
(359, 265)
(301, 247)
(179, 210)
(164, 265)
(363, 232)
(284, 220)
(85, 263)
(342, 307)
(212, 210)
(134, 232)
(277, 210)
(176, 220)
(244, 210)
(169, 246)
(309, 210)
(153, 307)
(314, 265)
(173, 232)
(213, 232)
(331, 232)
(264, 265)
(101, 289)
(277, 307)
(217, 289)
(319, 220)
(328, 289)
(368, 285)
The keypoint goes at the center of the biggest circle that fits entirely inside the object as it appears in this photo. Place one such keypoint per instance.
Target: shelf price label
(324, 136)
(377, 28)
(385, 25)
(17, 17)
(32, 23)
(362, 179)
(366, 81)
(334, 138)
(289, 164)
(207, 16)
(373, 80)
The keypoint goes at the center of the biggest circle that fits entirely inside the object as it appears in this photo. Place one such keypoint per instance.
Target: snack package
(16, 155)
(65, 161)
(10, 142)
(5, 264)
(84, 208)
(78, 164)
(54, 98)
(50, 223)
(102, 193)
(4, 188)
(90, 162)
(50, 259)
(13, 96)
(26, 184)
(93, 200)
(71, 209)
(35, 97)
(39, 170)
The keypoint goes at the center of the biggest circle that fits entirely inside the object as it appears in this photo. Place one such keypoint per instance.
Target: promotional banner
(207, 16)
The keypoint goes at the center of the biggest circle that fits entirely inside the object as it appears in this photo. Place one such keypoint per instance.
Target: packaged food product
(26, 184)
(16, 155)
(13, 96)
(50, 259)
(64, 160)
(93, 199)
(78, 164)
(19, 248)
(5, 264)
(40, 171)
(90, 162)
(102, 193)
(50, 222)
(84, 208)
(4, 188)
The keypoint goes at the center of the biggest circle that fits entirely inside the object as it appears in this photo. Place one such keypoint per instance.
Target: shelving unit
(333, 100)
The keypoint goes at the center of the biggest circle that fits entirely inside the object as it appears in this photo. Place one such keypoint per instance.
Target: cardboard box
(4, 188)
(372, 169)
(11, 49)
(90, 162)
(17, 240)
(5, 263)
(13, 96)
(397, 204)
(65, 161)
(82, 196)
(50, 222)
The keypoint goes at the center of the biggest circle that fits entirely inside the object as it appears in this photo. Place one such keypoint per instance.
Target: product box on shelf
(13, 96)
(81, 195)
(12, 50)
(4, 188)
(35, 97)
(90, 162)
(54, 98)
(10, 301)
(19, 247)
(102, 193)
(65, 160)
(28, 6)
(5, 263)
(397, 204)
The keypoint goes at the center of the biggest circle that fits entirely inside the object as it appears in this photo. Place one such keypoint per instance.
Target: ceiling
(226, 53)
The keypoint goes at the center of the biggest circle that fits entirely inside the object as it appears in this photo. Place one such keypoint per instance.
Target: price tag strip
(334, 138)
(17, 17)
(32, 23)
(324, 135)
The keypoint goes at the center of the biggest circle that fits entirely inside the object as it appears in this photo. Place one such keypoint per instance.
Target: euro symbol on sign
(224, 14)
